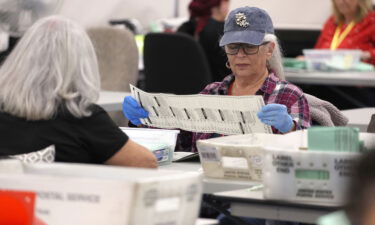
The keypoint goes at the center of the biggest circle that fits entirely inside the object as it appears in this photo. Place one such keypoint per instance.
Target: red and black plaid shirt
(273, 90)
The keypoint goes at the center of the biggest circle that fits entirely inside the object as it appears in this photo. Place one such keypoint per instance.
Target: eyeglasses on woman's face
(233, 49)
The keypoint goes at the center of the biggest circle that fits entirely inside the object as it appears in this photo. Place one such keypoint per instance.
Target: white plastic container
(242, 157)
(237, 157)
(307, 176)
(161, 142)
(97, 195)
(322, 59)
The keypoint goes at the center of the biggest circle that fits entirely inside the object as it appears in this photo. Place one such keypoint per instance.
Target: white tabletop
(332, 78)
(201, 221)
(359, 117)
(252, 204)
(111, 100)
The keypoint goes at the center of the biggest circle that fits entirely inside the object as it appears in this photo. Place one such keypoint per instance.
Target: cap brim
(248, 37)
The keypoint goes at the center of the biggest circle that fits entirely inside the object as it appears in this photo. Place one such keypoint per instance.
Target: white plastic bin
(102, 195)
(322, 59)
(238, 157)
(161, 142)
(307, 176)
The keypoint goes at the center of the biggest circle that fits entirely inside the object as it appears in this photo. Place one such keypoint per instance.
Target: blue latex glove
(133, 111)
(276, 115)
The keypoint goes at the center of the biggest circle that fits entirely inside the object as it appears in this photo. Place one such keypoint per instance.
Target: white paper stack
(97, 195)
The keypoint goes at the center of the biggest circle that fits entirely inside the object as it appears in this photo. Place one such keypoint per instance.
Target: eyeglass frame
(242, 46)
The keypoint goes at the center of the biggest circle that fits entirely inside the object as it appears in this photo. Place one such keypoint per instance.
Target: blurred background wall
(291, 14)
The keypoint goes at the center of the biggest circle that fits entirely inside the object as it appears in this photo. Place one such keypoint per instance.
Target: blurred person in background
(352, 26)
(206, 24)
(360, 206)
(48, 88)
(361, 196)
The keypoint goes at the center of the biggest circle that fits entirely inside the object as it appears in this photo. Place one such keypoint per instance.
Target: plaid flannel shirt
(273, 90)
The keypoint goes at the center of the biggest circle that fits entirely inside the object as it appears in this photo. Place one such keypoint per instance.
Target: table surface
(202, 221)
(359, 117)
(112, 100)
(252, 204)
(349, 78)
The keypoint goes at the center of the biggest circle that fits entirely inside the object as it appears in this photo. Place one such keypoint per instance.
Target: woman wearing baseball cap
(254, 58)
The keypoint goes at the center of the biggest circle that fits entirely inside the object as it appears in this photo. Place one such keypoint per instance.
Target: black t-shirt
(188, 27)
(209, 39)
(92, 139)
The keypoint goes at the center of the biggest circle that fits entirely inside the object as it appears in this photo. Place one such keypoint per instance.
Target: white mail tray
(97, 195)
(307, 176)
(237, 157)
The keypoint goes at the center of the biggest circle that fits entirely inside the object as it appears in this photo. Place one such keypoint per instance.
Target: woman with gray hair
(48, 86)
(255, 60)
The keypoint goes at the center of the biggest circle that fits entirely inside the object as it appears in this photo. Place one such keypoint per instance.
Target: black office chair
(293, 41)
(174, 63)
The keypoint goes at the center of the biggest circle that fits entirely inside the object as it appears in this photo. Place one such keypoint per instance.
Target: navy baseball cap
(246, 25)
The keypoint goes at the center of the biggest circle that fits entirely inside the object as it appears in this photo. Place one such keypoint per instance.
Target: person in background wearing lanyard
(352, 26)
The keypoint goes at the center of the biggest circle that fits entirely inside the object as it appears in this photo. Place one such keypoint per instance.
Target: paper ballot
(202, 113)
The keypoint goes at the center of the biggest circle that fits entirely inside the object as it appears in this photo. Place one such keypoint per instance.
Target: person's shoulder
(216, 88)
(289, 88)
(213, 28)
(187, 27)
(370, 18)
(288, 94)
(331, 19)
(95, 110)
(211, 88)
(371, 14)
(215, 24)
(330, 22)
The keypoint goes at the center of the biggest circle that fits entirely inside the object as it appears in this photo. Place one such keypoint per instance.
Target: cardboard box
(96, 195)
